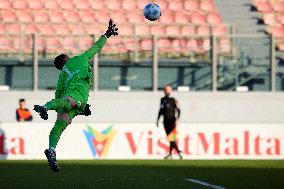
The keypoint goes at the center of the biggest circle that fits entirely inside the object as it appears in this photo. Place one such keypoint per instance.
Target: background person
(170, 110)
(22, 113)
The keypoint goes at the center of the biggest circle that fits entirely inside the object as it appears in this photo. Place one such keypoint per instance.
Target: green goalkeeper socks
(55, 133)
(58, 104)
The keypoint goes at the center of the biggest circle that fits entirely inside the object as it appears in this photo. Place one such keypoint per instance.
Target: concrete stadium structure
(142, 107)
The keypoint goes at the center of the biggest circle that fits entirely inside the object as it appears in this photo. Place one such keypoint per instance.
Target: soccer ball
(152, 11)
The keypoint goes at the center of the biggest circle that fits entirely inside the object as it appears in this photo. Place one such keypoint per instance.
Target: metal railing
(211, 55)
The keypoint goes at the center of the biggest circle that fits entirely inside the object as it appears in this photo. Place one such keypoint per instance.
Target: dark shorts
(169, 125)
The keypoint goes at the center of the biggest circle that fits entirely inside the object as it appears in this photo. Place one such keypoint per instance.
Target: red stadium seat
(280, 46)
(192, 45)
(131, 45)
(115, 44)
(207, 6)
(281, 19)
(198, 18)
(40, 44)
(157, 30)
(173, 30)
(85, 42)
(8, 16)
(17, 43)
(102, 16)
(113, 5)
(278, 6)
(203, 30)
(219, 30)
(71, 16)
(69, 44)
(224, 45)
(129, 5)
(5, 44)
(182, 18)
(126, 30)
(25, 44)
(167, 18)
(5, 5)
(74, 28)
(179, 45)
(35, 4)
(13, 28)
(87, 16)
(176, 5)
(141, 4)
(50, 5)
(164, 45)
(25, 16)
(270, 19)
(188, 30)
(56, 17)
(52, 44)
(277, 31)
(163, 4)
(264, 6)
(30, 29)
(142, 30)
(119, 17)
(206, 46)
(92, 29)
(61, 29)
(97, 5)
(191, 5)
(82, 5)
(2, 28)
(214, 18)
(20, 5)
(40, 16)
(46, 29)
(146, 44)
(135, 17)
(66, 4)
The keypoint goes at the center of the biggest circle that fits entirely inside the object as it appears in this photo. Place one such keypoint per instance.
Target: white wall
(142, 107)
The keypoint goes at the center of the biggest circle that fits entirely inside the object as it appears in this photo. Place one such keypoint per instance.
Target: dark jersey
(169, 108)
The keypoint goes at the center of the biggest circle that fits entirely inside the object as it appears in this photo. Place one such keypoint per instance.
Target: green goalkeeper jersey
(76, 77)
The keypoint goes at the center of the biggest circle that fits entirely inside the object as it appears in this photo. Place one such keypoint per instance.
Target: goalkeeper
(72, 92)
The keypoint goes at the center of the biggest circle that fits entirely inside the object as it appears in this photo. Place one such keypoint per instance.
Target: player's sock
(176, 148)
(171, 147)
(58, 104)
(55, 133)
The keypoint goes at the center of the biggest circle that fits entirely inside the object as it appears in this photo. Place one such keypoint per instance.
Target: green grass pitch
(239, 174)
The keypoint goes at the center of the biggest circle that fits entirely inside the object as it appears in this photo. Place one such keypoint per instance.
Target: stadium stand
(82, 17)
(273, 16)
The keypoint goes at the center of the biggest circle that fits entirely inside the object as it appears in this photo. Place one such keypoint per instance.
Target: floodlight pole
(213, 55)
(95, 69)
(272, 65)
(155, 64)
(35, 63)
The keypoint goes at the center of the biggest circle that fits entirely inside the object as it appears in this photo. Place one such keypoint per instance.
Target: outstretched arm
(112, 30)
(160, 113)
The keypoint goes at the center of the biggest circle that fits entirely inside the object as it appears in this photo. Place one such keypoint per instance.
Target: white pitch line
(205, 184)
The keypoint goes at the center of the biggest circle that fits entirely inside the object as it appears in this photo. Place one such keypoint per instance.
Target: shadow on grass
(142, 174)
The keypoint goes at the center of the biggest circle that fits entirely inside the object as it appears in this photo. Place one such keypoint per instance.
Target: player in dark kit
(171, 112)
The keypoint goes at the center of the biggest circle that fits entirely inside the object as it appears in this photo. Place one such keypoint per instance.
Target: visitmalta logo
(99, 142)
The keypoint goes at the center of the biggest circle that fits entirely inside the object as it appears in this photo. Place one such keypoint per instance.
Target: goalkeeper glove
(112, 29)
(86, 111)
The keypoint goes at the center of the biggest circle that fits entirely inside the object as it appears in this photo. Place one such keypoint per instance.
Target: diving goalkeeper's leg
(65, 104)
(63, 120)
